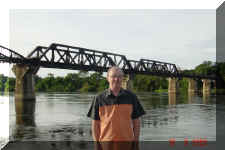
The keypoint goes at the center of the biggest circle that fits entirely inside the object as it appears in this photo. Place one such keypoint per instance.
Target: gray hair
(116, 69)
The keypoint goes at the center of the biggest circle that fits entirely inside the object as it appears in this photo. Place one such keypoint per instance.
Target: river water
(62, 117)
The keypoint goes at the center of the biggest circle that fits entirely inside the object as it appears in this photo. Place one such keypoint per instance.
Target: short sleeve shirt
(116, 114)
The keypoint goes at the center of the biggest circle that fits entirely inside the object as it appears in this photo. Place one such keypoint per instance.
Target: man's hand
(96, 129)
(136, 129)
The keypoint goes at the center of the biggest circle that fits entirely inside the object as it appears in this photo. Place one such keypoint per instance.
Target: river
(62, 117)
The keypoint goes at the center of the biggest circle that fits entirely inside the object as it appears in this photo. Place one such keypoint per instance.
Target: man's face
(115, 79)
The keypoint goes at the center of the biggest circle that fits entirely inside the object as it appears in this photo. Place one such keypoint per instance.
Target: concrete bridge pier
(173, 85)
(172, 90)
(206, 86)
(127, 82)
(24, 93)
(192, 86)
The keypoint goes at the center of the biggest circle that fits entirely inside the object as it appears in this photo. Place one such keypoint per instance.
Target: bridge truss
(77, 58)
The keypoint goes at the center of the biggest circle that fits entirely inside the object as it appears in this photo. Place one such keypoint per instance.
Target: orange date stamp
(193, 142)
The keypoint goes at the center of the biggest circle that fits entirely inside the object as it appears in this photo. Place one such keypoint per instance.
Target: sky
(183, 37)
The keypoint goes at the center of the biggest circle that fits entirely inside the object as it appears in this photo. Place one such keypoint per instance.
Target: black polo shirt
(116, 114)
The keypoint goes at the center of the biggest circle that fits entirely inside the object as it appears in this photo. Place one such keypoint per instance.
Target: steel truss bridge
(76, 58)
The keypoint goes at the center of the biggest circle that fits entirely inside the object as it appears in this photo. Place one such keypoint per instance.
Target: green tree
(163, 83)
(58, 85)
(72, 82)
(49, 82)
(183, 84)
(205, 68)
(85, 87)
(3, 80)
(10, 84)
(103, 84)
(93, 81)
(149, 83)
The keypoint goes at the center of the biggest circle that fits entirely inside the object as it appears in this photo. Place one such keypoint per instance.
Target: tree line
(86, 82)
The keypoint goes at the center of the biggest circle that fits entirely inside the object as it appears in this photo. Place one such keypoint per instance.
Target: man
(115, 112)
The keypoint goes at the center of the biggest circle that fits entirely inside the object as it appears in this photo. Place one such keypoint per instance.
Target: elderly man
(115, 112)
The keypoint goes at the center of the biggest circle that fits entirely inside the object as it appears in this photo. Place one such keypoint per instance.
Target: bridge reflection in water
(25, 116)
(25, 112)
(65, 120)
(170, 113)
(172, 98)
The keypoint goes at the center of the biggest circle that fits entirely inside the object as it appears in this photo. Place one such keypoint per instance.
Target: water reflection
(172, 98)
(191, 96)
(162, 114)
(206, 98)
(69, 133)
(25, 112)
(25, 127)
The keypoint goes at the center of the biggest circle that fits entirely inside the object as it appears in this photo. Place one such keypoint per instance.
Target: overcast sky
(184, 37)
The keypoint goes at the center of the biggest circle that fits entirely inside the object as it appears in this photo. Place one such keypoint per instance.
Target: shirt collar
(109, 92)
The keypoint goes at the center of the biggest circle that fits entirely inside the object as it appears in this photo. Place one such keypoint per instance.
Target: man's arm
(136, 129)
(96, 129)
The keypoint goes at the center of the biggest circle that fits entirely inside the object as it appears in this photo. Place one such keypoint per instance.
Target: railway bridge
(76, 58)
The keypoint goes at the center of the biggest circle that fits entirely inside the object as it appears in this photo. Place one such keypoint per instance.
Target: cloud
(203, 44)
